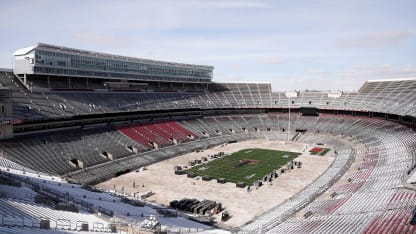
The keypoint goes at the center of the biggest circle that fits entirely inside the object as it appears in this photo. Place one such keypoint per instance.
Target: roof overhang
(24, 51)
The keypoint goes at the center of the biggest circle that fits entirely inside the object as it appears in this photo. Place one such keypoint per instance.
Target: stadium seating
(396, 99)
(163, 133)
(360, 193)
(22, 215)
(18, 208)
(378, 171)
(52, 153)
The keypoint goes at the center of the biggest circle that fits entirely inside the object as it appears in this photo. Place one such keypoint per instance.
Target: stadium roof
(246, 82)
(23, 51)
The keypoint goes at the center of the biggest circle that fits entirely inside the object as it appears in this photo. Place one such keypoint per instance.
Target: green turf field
(230, 167)
(325, 151)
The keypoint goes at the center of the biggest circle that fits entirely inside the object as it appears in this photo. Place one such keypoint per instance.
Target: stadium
(95, 142)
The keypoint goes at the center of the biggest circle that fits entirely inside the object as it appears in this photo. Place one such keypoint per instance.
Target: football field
(248, 165)
(160, 178)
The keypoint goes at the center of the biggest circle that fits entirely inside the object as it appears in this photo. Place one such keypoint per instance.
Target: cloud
(236, 66)
(347, 79)
(296, 45)
(377, 40)
(96, 38)
(383, 71)
(233, 4)
(273, 61)
(317, 71)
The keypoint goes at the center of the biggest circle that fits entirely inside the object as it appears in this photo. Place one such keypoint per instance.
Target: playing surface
(248, 165)
(160, 179)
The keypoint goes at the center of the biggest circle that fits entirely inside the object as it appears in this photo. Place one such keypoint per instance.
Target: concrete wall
(23, 64)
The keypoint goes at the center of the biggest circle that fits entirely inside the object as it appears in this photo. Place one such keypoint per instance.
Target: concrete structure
(51, 60)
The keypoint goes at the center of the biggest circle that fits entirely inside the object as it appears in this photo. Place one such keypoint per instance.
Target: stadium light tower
(290, 94)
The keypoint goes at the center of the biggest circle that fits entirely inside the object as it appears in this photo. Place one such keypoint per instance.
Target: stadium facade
(58, 61)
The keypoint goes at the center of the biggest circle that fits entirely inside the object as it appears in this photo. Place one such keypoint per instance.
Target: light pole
(289, 95)
(288, 123)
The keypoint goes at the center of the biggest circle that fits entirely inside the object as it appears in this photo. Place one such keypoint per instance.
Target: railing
(62, 224)
(59, 223)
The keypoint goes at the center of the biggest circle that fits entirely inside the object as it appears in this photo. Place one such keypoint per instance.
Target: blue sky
(328, 44)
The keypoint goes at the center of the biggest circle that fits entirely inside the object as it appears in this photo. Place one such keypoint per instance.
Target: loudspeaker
(84, 227)
(45, 224)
